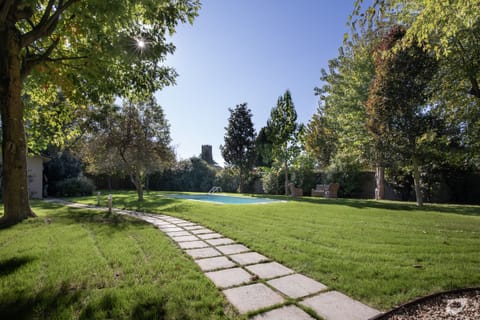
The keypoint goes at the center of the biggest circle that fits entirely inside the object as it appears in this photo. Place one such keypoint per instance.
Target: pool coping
(169, 195)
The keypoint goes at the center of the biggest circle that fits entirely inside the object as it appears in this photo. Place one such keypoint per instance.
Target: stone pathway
(249, 280)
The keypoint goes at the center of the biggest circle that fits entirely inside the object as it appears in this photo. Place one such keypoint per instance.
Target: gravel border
(459, 304)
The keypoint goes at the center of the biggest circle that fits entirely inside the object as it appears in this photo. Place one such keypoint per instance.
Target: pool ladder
(215, 189)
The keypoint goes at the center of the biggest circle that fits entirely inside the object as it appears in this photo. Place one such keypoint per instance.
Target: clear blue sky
(248, 51)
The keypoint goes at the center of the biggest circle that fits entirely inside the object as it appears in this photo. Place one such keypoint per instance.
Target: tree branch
(47, 24)
(31, 61)
(5, 6)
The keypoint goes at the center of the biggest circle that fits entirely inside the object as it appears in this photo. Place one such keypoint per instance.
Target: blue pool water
(222, 199)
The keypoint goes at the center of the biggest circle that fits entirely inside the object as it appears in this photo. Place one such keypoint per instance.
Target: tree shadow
(56, 303)
(9, 266)
(468, 210)
(59, 213)
(41, 305)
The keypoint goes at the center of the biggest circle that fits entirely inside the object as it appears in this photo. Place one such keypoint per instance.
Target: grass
(83, 264)
(381, 253)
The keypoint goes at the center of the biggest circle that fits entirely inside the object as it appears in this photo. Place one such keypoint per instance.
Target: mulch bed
(460, 304)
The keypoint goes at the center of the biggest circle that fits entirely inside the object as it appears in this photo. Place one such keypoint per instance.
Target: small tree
(133, 140)
(283, 132)
(239, 148)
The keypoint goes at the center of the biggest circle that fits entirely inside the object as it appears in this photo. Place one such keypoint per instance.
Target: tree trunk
(380, 183)
(286, 178)
(416, 180)
(240, 181)
(14, 147)
(137, 182)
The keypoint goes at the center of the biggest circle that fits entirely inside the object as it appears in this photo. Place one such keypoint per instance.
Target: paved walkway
(249, 280)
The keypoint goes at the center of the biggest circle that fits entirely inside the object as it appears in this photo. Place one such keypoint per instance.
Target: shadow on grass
(11, 265)
(469, 210)
(56, 303)
(128, 200)
(58, 213)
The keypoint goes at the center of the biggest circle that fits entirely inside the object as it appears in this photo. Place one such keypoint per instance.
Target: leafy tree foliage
(398, 114)
(62, 165)
(449, 30)
(133, 140)
(319, 139)
(90, 51)
(338, 126)
(239, 148)
(263, 148)
(283, 131)
(194, 174)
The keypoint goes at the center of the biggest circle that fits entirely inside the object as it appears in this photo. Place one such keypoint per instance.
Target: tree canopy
(133, 140)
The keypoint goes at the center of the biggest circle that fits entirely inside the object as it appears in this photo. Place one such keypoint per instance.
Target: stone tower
(207, 154)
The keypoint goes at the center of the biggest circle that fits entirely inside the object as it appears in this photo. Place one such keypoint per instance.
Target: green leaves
(239, 148)
(283, 129)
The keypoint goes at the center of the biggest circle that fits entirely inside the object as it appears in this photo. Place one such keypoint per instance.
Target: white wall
(35, 177)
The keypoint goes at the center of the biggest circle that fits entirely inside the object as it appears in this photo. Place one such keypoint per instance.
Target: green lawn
(381, 253)
(81, 264)
(72, 263)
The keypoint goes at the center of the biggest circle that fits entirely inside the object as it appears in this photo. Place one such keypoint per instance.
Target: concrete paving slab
(178, 233)
(175, 221)
(184, 238)
(193, 244)
(232, 248)
(163, 224)
(201, 231)
(209, 236)
(166, 226)
(186, 224)
(286, 313)
(297, 285)
(248, 258)
(217, 242)
(269, 270)
(170, 229)
(210, 264)
(229, 277)
(194, 227)
(334, 305)
(252, 297)
(203, 253)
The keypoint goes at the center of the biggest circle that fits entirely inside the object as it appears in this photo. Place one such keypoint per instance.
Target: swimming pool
(217, 198)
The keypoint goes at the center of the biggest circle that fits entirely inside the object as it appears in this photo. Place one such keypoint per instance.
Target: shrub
(227, 179)
(273, 181)
(346, 171)
(74, 187)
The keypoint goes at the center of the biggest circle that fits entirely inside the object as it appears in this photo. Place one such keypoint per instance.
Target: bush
(75, 187)
(227, 179)
(273, 181)
(302, 173)
(346, 171)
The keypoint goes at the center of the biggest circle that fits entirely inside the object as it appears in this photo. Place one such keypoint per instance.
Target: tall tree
(89, 50)
(397, 105)
(283, 131)
(239, 148)
(134, 140)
